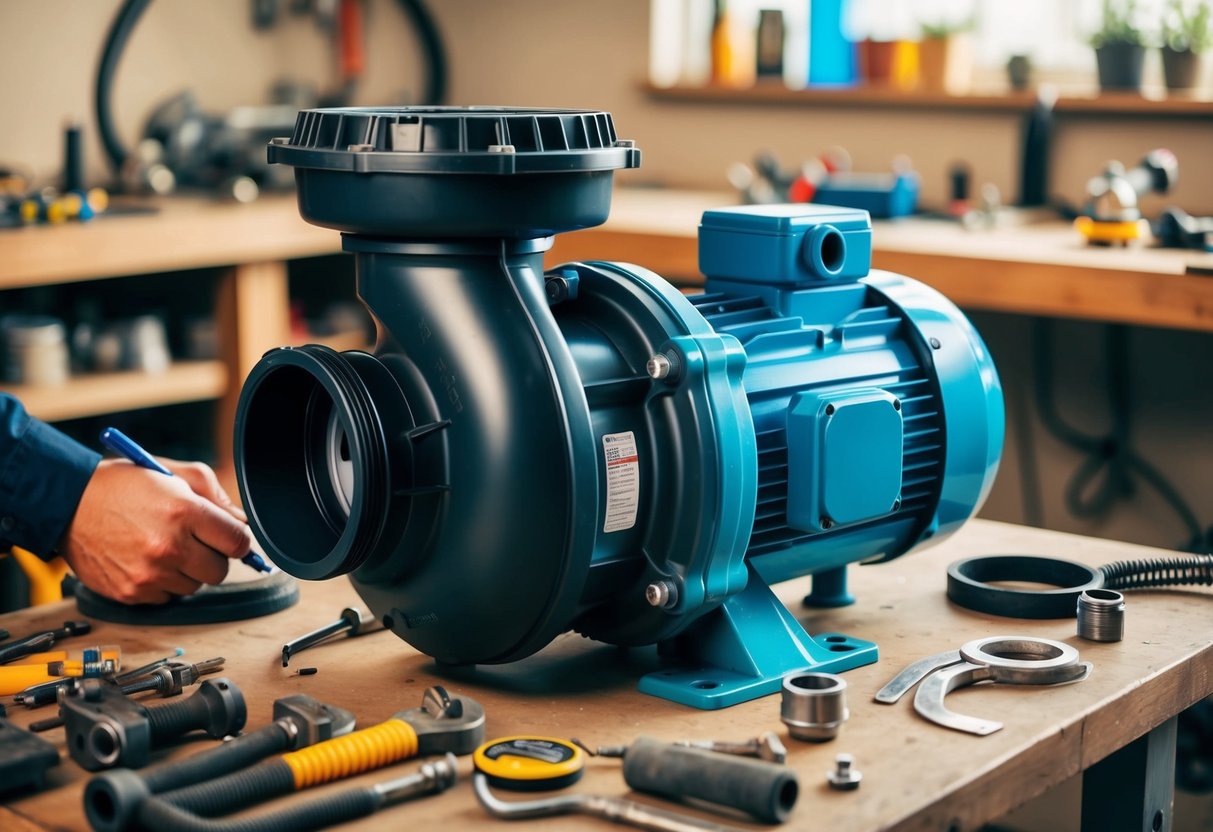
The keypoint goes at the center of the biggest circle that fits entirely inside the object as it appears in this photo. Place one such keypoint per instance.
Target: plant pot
(1120, 66)
(946, 64)
(1181, 69)
(876, 61)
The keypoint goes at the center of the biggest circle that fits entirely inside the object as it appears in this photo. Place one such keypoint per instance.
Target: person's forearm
(43, 473)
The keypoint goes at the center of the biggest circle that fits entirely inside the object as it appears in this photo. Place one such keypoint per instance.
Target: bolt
(501, 148)
(844, 777)
(658, 367)
(360, 148)
(830, 409)
(935, 343)
(767, 747)
(826, 522)
(897, 404)
(661, 594)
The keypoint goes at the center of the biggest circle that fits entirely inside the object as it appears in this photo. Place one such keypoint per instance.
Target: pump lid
(454, 172)
(489, 140)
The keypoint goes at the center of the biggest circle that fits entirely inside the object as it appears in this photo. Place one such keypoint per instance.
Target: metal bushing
(1101, 615)
(814, 705)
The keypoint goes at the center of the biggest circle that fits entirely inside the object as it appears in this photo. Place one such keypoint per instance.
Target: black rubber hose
(431, 45)
(158, 813)
(234, 791)
(215, 762)
(1159, 572)
(111, 53)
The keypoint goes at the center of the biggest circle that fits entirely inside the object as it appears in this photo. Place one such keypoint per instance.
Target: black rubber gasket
(969, 585)
(209, 605)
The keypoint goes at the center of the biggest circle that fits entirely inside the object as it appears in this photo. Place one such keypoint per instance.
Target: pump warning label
(623, 480)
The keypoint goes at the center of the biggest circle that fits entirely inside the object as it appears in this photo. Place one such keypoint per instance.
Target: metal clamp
(1015, 660)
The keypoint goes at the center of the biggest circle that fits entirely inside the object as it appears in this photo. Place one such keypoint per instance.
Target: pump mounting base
(743, 649)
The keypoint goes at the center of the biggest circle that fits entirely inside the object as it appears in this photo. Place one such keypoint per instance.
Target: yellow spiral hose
(365, 750)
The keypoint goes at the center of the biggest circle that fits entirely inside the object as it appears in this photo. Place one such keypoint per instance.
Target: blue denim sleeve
(42, 475)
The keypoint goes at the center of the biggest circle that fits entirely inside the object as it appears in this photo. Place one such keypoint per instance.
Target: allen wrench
(1013, 660)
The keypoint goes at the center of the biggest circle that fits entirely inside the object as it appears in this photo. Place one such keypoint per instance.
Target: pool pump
(533, 451)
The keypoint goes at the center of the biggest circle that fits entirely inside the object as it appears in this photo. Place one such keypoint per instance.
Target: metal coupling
(1101, 615)
(814, 705)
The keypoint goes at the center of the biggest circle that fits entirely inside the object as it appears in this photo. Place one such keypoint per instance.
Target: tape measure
(528, 764)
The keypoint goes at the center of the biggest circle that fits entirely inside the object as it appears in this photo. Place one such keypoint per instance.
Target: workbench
(916, 776)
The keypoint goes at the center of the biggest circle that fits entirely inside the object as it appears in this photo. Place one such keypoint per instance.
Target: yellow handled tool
(38, 668)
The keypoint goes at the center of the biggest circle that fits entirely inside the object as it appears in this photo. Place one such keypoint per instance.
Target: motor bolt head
(662, 594)
(658, 367)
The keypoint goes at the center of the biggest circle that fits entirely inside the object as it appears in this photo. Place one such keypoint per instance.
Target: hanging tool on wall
(185, 146)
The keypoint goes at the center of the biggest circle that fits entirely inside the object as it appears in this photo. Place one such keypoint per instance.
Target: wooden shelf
(885, 98)
(92, 395)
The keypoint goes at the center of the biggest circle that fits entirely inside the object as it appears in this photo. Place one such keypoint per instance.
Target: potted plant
(1186, 36)
(945, 57)
(1120, 47)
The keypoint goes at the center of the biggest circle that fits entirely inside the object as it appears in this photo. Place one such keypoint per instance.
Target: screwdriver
(118, 442)
(38, 642)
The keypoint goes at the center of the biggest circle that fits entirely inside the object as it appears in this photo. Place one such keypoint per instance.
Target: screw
(661, 594)
(501, 148)
(844, 777)
(826, 523)
(830, 409)
(658, 367)
(360, 148)
(935, 343)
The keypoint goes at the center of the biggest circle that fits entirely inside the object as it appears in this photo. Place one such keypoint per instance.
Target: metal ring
(969, 585)
(1055, 660)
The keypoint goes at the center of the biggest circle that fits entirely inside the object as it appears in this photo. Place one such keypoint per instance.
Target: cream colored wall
(579, 54)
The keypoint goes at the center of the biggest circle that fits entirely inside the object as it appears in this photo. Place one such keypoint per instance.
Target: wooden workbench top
(916, 775)
(1042, 268)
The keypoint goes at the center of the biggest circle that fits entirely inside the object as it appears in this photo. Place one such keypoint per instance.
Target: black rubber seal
(209, 605)
(969, 585)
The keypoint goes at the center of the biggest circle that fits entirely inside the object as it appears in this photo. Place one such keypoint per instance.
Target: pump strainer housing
(527, 453)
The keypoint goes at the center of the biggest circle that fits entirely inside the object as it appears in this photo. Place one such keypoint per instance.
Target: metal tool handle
(767, 791)
(913, 674)
(217, 707)
(613, 809)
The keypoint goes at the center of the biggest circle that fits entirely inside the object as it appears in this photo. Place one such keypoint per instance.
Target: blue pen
(118, 442)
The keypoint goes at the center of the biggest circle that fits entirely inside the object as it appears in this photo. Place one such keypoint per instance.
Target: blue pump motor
(528, 452)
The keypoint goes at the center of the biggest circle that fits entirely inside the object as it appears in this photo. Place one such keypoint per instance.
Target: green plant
(1185, 26)
(946, 28)
(1118, 27)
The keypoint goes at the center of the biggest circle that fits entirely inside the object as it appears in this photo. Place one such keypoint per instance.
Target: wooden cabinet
(246, 247)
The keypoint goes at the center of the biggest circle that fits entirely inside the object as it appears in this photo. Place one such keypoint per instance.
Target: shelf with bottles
(979, 57)
(870, 97)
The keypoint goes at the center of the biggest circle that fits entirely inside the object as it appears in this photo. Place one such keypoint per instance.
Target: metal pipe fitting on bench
(814, 705)
(1101, 615)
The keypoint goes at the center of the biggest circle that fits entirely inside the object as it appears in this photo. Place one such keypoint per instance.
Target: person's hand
(141, 537)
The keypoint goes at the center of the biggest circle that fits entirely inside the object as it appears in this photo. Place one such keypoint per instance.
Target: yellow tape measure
(530, 763)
